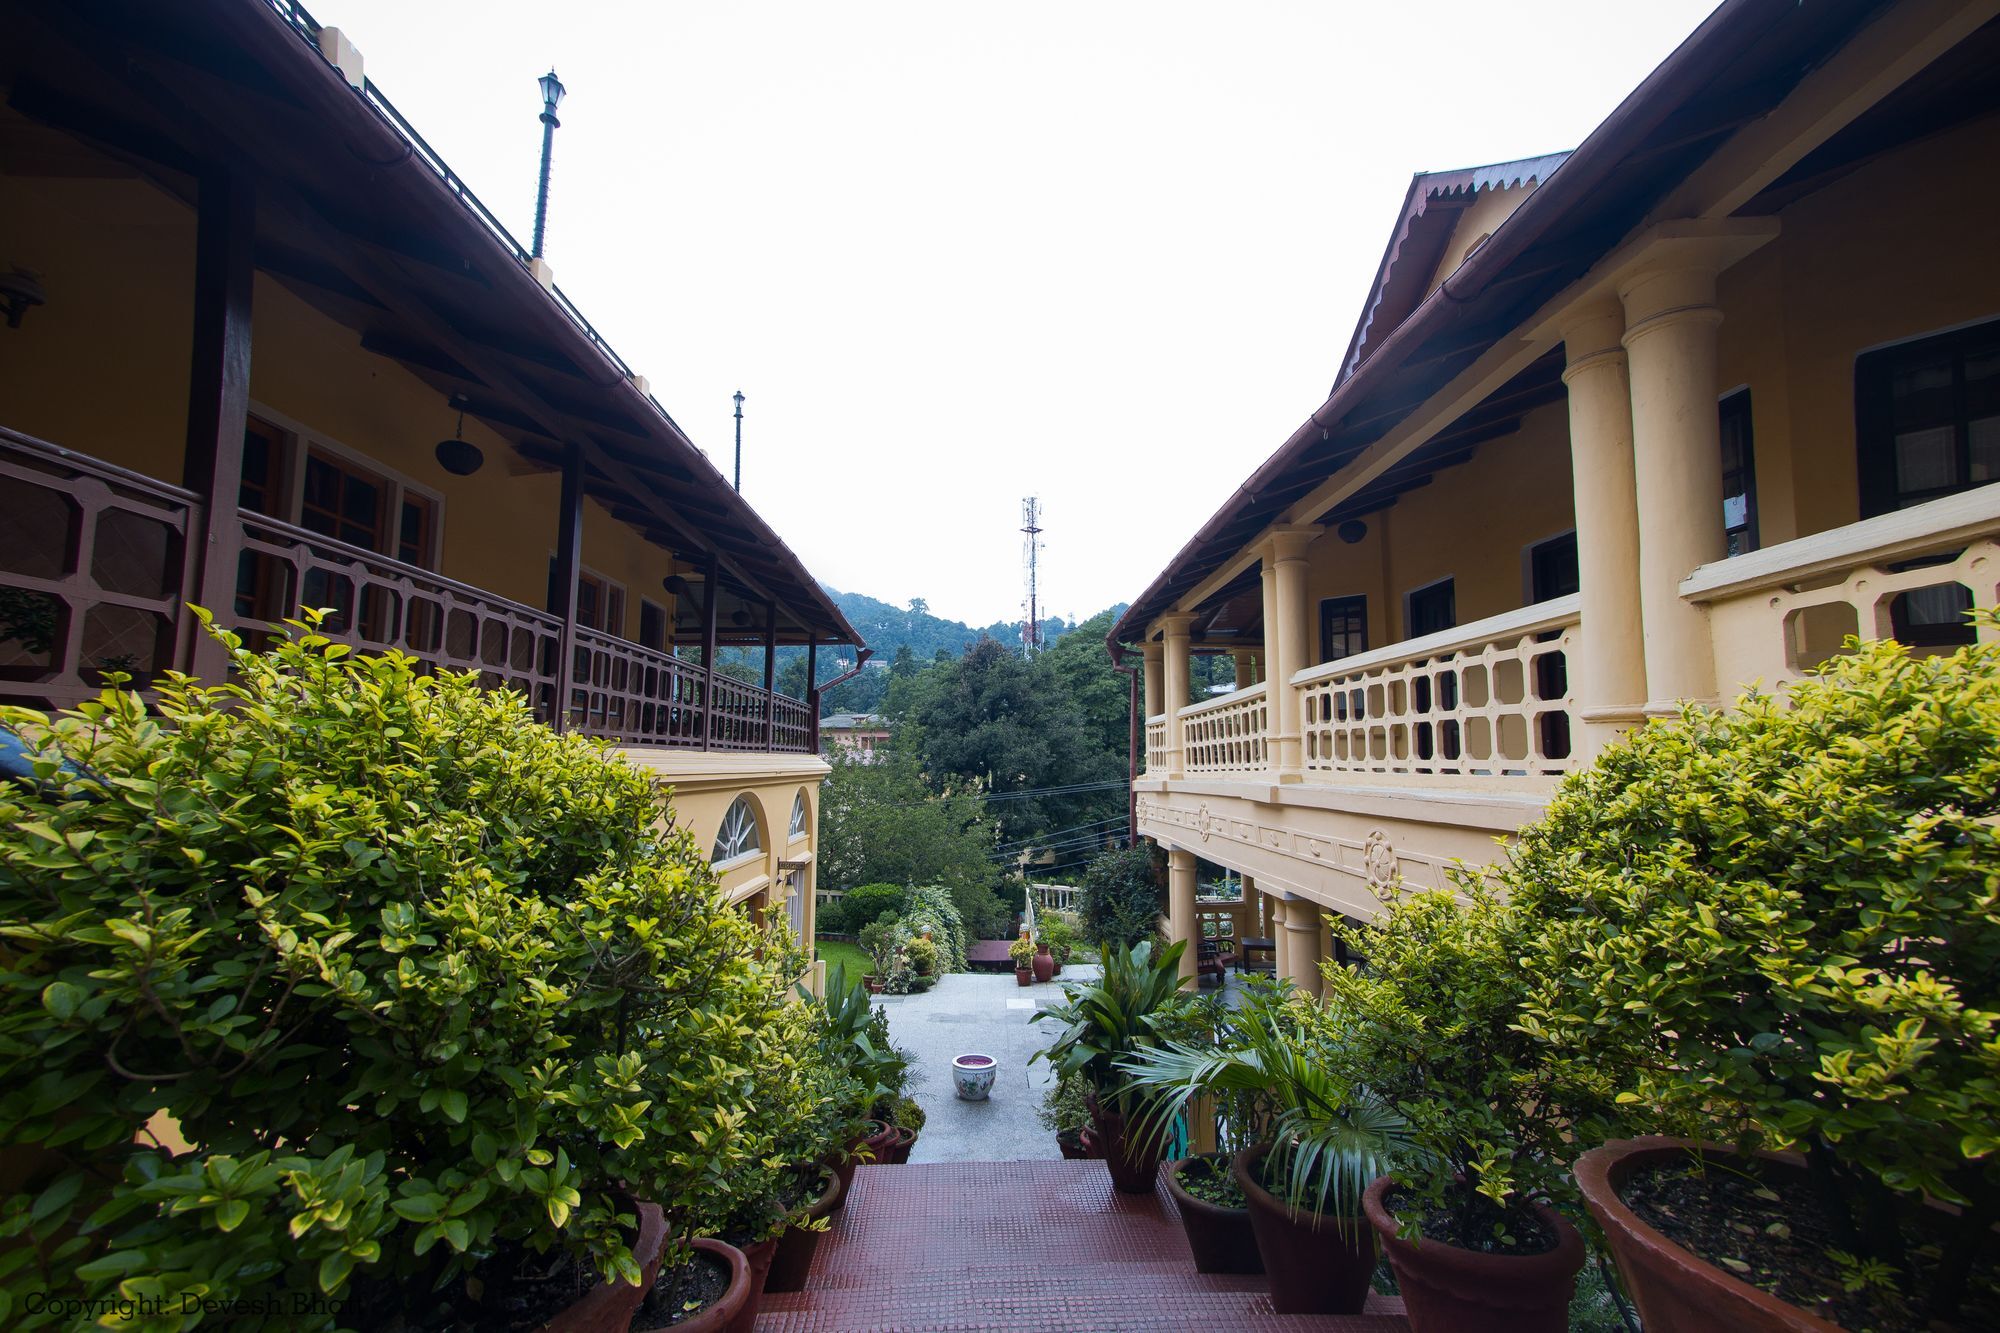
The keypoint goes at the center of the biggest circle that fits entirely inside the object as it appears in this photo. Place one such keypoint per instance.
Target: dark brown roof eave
(1675, 78)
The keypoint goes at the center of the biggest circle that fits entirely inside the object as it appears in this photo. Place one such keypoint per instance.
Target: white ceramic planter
(972, 1076)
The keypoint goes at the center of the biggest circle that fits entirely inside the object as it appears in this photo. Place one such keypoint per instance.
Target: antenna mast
(1031, 525)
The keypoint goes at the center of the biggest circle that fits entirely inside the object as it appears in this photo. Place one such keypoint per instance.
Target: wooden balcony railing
(95, 575)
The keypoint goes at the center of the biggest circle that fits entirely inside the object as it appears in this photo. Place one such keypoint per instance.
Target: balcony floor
(1046, 1245)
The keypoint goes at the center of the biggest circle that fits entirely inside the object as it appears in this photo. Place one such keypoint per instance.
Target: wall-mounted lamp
(20, 291)
(456, 455)
(1352, 531)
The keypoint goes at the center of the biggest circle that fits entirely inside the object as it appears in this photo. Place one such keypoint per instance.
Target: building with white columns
(1655, 420)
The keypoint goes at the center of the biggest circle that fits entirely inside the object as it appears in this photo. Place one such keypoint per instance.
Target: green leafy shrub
(883, 939)
(1121, 898)
(1432, 1023)
(931, 908)
(923, 954)
(862, 907)
(1060, 930)
(1022, 951)
(1782, 925)
(417, 980)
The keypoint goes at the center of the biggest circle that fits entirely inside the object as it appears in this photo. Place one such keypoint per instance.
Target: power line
(1031, 793)
(1038, 839)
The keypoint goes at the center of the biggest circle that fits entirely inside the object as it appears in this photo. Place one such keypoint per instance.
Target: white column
(1275, 909)
(1670, 324)
(1156, 688)
(1180, 909)
(1303, 929)
(1609, 673)
(1286, 549)
(1175, 675)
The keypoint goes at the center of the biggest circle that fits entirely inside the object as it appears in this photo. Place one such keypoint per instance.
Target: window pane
(1985, 438)
(1926, 460)
(1920, 394)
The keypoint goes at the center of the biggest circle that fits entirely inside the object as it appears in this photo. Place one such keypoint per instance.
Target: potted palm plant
(1105, 1023)
(1325, 1138)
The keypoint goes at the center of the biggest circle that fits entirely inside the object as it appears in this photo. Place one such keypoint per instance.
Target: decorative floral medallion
(1204, 822)
(1378, 862)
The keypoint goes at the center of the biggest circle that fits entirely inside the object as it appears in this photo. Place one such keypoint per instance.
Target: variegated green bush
(416, 980)
(1781, 925)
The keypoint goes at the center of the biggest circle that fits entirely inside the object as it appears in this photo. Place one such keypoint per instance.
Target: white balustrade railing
(1229, 734)
(1775, 614)
(1483, 704)
(1156, 743)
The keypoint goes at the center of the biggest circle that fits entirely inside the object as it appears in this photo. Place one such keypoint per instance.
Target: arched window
(738, 834)
(798, 828)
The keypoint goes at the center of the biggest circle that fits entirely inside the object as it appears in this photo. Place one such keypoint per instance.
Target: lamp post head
(739, 402)
(552, 91)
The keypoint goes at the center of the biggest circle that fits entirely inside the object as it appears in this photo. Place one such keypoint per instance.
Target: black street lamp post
(552, 96)
(739, 440)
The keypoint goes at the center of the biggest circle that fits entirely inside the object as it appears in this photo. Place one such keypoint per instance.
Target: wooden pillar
(711, 599)
(812, 684)
(569, 563)
(219, 401)
(770, 675)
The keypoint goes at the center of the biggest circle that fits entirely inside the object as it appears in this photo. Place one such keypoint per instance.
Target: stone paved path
(980, 1013)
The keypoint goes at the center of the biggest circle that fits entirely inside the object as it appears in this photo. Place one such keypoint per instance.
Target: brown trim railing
(95, 577)
(94, 573)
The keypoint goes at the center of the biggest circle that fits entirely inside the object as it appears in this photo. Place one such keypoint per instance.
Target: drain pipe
(1131, 674)
(860, 660)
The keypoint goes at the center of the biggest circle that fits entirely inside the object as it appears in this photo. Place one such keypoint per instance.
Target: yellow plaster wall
(1897, 249)
(1473, 524)
(103, 369)
(1482, 218)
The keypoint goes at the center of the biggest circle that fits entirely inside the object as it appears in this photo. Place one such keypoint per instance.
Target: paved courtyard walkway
(979, 1013)
(1024, 1245)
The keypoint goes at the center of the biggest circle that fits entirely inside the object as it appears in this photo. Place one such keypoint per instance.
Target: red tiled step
(1040, 1245)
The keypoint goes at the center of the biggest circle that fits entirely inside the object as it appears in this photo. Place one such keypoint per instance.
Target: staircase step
(1043, 1245)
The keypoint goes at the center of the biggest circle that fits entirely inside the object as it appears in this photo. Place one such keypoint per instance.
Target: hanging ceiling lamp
(456, 455)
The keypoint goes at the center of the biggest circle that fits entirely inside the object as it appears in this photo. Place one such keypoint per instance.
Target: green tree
(881, 824)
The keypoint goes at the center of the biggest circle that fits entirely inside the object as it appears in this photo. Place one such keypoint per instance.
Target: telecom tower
(1031, 525)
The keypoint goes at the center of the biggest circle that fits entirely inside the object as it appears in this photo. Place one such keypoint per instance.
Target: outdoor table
(1246, 947)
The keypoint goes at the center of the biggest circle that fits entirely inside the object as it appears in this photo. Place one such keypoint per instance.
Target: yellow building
(1651, 421)
(264, 349)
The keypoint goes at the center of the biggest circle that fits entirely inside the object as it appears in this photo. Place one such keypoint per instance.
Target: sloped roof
(1742, 61)
(362, 218)
(1424, 226)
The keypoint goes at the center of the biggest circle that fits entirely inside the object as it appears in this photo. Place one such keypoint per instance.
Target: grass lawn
(853, 956)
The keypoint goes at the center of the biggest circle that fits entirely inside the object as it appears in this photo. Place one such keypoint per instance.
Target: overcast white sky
(956, 254)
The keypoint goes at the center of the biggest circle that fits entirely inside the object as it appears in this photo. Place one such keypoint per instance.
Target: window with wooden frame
(1927, 418)
(1343, 627)
(652, 625)
(1739, 473)
(1553, 571)
(1433, 608)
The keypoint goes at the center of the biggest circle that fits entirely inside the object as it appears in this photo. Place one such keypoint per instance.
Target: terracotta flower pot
(1677, 1291)
(875, 1139)
(1045, 964)
(899, 1151)
(758, 1256)
(1317, 1264)
(1448, 1288)
(1134, 1165)
(608, 1307)
(797, 1245)
(1220, 1237)
(873, 983)
(1023, 976)
(1075, 1145)
(722, 1313)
